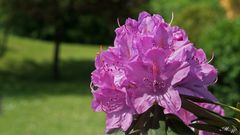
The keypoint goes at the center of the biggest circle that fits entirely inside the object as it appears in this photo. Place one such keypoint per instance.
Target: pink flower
(200, 74)
(108, 96)
(114, 103)
(150, 82)
(151, 62)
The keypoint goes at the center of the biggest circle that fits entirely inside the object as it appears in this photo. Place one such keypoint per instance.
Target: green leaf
(177, 125)
(118, 133)
(148, 120)
(204, 114)
(235, 122)
(155, 122)
(197, 99)
(138, 124)
(160, 131)
(203, 100)
(209, 128)
(238, 107)
(234, 126)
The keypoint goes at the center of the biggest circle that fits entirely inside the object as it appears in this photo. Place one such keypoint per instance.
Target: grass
(34, 104)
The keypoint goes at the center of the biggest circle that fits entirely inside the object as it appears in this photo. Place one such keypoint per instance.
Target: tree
(5, 22)
(3, 41)
(60, 17)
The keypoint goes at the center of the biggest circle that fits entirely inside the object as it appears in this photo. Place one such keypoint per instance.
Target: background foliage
(224, 40)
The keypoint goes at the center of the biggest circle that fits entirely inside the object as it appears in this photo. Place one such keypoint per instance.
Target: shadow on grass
(33, 79)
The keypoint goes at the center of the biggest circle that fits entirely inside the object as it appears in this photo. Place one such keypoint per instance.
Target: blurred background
(47, 49)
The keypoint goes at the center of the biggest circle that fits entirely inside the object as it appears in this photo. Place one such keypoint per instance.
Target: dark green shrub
(224, 40)
(197, 18)
(194, 17)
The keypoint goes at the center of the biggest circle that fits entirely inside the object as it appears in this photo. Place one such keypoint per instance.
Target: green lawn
(34, 104)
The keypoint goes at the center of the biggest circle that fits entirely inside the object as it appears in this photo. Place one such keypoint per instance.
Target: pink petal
(143, 15)
(113, 121)
(126, 121)
(171, 101)
(180, 75)
(143, 103)
(197, 92)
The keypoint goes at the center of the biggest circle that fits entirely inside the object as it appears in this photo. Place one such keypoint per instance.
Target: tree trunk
(1, 104)
(56, 59)
(4, 40)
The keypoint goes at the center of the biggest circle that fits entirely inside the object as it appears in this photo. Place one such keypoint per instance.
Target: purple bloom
(200, 74)
(108, 96)
(114, 103)
(150, 80)
(151, 62)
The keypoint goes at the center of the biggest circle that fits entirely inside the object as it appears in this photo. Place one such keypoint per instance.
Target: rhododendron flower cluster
(150, 63)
